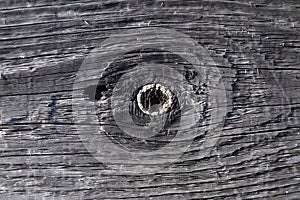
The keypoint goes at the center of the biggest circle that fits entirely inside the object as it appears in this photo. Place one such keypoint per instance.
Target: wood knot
(154, 99)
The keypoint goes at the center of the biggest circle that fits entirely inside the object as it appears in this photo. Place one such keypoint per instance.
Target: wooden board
(254, 45)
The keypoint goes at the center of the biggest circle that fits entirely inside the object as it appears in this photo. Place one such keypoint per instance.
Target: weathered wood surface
(256, 46)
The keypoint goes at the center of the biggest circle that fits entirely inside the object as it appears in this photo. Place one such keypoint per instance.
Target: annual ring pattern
(196, 117)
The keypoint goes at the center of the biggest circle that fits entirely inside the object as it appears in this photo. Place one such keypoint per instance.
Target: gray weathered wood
(256, 46)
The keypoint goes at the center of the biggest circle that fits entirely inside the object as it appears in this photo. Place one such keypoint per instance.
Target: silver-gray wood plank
(255, 46)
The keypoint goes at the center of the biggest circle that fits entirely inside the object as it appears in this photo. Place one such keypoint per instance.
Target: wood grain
(256, 46)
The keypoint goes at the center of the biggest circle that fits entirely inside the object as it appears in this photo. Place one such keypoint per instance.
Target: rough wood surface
(256, 48)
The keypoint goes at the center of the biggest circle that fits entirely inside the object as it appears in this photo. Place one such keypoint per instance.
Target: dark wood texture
(256, 45)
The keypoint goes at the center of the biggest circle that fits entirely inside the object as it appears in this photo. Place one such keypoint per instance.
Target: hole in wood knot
(154, 99)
